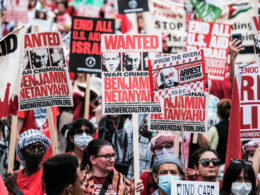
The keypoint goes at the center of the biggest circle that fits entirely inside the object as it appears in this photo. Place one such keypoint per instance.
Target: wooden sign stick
(87, 95)
(136, 150)
(13, 135)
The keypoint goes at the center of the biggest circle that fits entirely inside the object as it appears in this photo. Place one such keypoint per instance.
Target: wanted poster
(179, 81)
(249, 102)
(126, 84)
(132, 6)
(179, 187)
(17, 11)
(11, 56)
(213, 38)
(85, 49)
(167, 17)
(45, 81)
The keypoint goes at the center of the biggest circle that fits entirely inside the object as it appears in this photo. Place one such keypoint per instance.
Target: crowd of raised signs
(191, 149)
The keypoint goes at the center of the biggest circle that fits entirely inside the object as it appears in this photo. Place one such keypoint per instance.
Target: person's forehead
(41, 52)
(168, 167)
(36, 144)
(208, 155)
(111, 55)
(106, 149)
(133, 55)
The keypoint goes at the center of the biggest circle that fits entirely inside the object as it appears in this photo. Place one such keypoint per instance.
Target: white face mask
(81, 141)
(239, 188)
(164, 151)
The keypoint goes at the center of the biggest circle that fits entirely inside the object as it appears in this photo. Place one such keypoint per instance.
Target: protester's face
(40, 58)
(132, 61)
(168, 77)
(78, 187)
(111, 61)
(103, 163)
(165, 148)
(61, 8)
(210, 170)
(56, 55)
(33, 154)
(167, 169)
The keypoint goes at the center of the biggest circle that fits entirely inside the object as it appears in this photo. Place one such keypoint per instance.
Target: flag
(208, 10)
(234, 10)
(11, 50)
(126, 23)
(234, 143)
(94, 3)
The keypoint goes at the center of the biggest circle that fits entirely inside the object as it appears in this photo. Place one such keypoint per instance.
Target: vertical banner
(11, 56)
(126, 84)
(250, 102)
(85, 49)
(132, 6)
(45, 80)
(167, 17)
(180, 82)
(17, 10)
(213, 38)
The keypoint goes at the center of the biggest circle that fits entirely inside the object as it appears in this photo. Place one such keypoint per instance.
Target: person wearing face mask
(239, 179)
(165, 169)
(78, 134)
(31, 147)
(161, 144)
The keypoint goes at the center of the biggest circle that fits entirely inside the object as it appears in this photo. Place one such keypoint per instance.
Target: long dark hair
(92, 150)
(233, 172)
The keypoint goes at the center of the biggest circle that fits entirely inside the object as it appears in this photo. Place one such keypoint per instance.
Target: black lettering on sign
(8, 45)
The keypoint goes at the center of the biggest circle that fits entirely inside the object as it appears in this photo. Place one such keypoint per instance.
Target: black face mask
(32, 160)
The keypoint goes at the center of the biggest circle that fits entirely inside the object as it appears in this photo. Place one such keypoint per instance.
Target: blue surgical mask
(81, 141)
(165, 182)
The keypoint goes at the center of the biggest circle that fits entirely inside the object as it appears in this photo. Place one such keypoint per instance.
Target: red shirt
(98, 183)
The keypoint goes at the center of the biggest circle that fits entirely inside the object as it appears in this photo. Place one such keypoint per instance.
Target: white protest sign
(194, 188)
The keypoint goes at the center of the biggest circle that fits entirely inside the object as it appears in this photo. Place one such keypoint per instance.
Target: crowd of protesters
(97, 154)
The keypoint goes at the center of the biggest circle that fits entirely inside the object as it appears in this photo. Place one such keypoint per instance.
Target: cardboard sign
(178, 74)
(250, 102)
(132, 6)
(45, 80)
(194, 187)
(126, 84)
(11, 55)
(85, 53)
(167, 17)
(17, 10)
(213, 38)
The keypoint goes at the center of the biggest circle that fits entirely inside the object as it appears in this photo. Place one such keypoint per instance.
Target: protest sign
(45, 81)
(132, 6)
(171, 77)
(179, 187)
(17, 10)
(11, 55)
(167, 17)
(250, 102)
(213, 38)
(255, 22)
(85, 53)
(126, 84)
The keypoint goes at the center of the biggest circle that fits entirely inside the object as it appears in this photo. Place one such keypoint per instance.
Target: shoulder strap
(106, 184)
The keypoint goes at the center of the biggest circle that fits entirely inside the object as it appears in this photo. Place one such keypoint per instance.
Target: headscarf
(28, 137)
(161, 138)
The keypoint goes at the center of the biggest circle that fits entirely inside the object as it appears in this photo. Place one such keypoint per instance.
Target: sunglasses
(81, 131)
(205, 162)
(238, 161)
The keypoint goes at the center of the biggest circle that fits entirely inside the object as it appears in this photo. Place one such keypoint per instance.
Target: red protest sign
(249, 102)
(17, 10)
(126, 84)
(213, 38)
(45, 81)
(255, 23)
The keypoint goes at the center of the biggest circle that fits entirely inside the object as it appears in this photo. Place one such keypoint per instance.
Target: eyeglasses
(238, 161)
(205, 162)
(108, 157)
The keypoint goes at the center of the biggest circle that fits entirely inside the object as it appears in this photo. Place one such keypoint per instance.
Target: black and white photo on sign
(41, 15)
(132, 61)
(40, 58)
(150, 55)
(257, 43)
(168, 77)
(57, 57)
(111, 62)
(25, 63)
